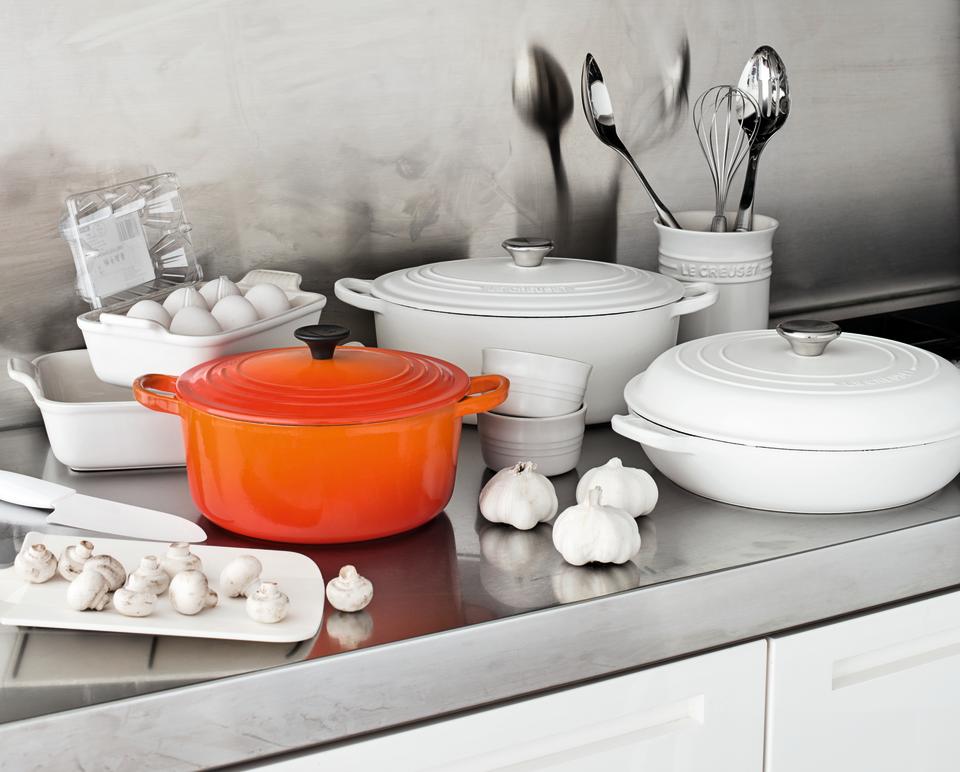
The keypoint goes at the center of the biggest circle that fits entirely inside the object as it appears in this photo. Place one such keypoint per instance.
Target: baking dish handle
(157, 392)
(486, 392)
(357, 292)
(697, 295)
(648, 433)
(22, 371)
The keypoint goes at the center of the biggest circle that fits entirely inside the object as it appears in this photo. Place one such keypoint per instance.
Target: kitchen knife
(92, 514)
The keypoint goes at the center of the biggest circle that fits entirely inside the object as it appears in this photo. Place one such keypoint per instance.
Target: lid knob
(808, 337)
(322, 338)
(528, 252)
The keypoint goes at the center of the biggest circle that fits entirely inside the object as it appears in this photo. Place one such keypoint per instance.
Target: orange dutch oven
(323, 443)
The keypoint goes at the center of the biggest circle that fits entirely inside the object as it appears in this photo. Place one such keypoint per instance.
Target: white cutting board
(45, 605)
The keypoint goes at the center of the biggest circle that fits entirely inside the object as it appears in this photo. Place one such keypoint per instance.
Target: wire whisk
(725, 138)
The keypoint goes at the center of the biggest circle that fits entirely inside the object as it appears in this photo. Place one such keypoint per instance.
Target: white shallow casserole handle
(357, 293)
(646, 432)
(22, 371)
(697, 295)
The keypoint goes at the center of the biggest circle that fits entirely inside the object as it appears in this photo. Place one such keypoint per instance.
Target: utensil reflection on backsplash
(543, 98)
(725, 138)
(765, 79)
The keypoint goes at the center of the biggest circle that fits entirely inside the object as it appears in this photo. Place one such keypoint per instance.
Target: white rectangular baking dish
(122, 349)
(93, 425)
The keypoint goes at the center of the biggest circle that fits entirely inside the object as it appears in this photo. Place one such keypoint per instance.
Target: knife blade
(89, 513)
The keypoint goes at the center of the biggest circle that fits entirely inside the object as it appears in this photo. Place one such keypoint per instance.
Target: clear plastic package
(130, 240)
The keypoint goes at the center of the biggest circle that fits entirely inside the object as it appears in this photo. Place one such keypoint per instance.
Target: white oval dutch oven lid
(527, 284)
(772, 390)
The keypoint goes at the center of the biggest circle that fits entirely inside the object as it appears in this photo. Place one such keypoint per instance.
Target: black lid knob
(322, 338)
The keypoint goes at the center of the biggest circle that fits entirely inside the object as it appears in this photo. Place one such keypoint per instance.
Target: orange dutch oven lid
(322, 383)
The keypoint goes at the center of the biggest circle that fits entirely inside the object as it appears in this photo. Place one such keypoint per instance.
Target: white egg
(185, 297)
(152, 310)
(268, 299)
(234, 311)
(192, 320)
(218, 289)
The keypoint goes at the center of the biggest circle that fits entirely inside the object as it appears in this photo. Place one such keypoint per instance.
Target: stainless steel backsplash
(354, 138)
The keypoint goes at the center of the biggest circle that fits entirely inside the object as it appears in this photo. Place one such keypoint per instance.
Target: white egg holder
(122, 348)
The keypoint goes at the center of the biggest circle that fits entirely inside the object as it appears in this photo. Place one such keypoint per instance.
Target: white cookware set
(802, 419)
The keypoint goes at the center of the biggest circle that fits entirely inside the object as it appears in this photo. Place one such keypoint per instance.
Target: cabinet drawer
(702, 713)
(878, 692)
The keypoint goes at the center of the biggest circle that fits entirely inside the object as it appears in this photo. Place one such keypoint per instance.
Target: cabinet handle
(896, 658)
(634, 727)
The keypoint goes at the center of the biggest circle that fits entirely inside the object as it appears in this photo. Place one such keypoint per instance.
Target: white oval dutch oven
(615, 317)
(799, 419)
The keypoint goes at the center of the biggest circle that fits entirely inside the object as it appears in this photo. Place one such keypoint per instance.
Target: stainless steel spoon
(765, 79)
(598, 110)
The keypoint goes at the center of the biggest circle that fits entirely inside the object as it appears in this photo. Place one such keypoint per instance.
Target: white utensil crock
(739, 264)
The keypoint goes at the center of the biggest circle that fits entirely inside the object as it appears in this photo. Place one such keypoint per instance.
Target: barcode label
(128, 228)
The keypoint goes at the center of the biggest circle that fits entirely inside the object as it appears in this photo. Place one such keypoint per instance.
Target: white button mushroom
(73, 558)
(349, 591)
(267, 604)
(149, 577)
(35, 563)
(180, 558)
(238, 575)
(90, 590)
(111, 568)
(134, 603)
(190, 593)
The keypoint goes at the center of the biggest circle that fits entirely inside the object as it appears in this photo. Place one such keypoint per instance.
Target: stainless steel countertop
(465, 614)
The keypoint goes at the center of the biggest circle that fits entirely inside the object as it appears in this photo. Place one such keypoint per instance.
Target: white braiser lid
(527, 284)
(806, 388)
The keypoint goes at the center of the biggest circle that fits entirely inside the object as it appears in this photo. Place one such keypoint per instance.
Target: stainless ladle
(598, 110)
(765, 79)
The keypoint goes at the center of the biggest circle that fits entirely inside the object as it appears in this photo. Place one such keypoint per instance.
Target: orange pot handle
(486, 392)
(157, 392)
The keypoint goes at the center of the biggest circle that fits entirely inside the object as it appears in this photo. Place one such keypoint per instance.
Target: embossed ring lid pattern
(499, 287)
(750, 388)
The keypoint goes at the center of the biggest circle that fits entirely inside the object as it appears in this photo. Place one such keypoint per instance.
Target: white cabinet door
(702, 713)
(878, 692)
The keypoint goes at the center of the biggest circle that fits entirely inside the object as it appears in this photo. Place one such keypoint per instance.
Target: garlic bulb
(72, 560)
(89, 591)
(111, 568)
(596, 533)
(134, 603)
(267, 604)
(518, 496)
(35, 563)
(190, 593)
(624, 487)
(180, 558)
(349, 591)
(149, 577)
(239, 575)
